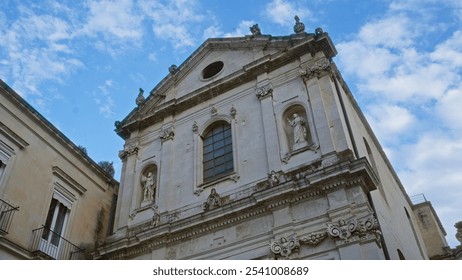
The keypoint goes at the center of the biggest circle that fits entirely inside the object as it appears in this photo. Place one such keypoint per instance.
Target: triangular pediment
(217, 65)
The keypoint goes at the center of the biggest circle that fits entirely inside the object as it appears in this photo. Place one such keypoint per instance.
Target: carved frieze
(167, 134)
(284, 246)
(128, 151)
(264, 91)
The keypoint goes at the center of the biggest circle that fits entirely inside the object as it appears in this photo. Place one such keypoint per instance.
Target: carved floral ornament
(342, 230)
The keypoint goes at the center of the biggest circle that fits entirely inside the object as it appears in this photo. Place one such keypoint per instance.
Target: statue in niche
(299, 131)
(149, 186)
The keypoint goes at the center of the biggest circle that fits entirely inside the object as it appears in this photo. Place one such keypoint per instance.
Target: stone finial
(140, 99)
(318, 31)
(255, 29)
(299, 27)
(458, 226)
(172, 69)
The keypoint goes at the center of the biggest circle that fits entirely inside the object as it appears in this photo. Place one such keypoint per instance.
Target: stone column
(265, 94)
(128, 182)
(167, 136)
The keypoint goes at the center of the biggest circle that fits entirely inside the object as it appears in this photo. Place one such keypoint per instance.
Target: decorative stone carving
(284, 246)
(213, 200)
(172, 217)
(458, 226)
(264, 91)
(234, 178)
(316, 69)
(167, 134)
(233, 112)
(342, 229)
(156, 216)
(214, 111)
(128, 151)
(172, 69)
(255, 29)
(273, 178)
(140, 99)
(195, 127)
(198, 191)
(299, 27)
(314, 238)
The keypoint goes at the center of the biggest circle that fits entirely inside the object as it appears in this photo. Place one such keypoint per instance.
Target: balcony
(48, 244)
(6, 216)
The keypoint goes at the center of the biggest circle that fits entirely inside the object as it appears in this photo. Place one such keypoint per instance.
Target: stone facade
(55, 202)
(259, 151)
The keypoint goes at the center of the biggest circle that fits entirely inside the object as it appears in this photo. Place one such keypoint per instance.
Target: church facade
(255, 148)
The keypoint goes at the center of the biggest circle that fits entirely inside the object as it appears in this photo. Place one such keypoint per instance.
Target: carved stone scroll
(284, 246)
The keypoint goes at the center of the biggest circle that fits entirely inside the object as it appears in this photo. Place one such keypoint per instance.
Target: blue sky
(81, 63)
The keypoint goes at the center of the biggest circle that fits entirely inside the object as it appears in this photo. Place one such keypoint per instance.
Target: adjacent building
(55, 201)
(255, 148)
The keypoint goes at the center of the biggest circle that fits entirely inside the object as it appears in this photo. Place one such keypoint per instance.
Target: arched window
(217, 151)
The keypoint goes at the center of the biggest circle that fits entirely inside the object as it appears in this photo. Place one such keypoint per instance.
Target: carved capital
(342, 229)
(317, 69)
(167, 134)
(128, 151)
(264, 91)
(284, 246)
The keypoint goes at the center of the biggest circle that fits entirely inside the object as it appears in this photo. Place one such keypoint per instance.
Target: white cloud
(390, 121)
(118, 19)
(242, 29)
(104, 99)
(282, 12)
(173, 20)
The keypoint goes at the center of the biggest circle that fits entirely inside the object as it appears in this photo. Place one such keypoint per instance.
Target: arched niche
(296, 127)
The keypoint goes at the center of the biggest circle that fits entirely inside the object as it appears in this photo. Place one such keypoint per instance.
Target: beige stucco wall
(34, 171)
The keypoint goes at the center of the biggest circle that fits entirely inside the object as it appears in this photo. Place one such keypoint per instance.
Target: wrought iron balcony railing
(54, 246)
(6, 215)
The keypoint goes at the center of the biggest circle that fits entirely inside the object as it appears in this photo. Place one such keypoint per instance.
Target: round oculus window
(212, 69)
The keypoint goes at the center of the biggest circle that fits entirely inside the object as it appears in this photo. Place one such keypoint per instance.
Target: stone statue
(458, 226)
(255, 29)
(299, 27)
(148, 187)
(299, 131)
